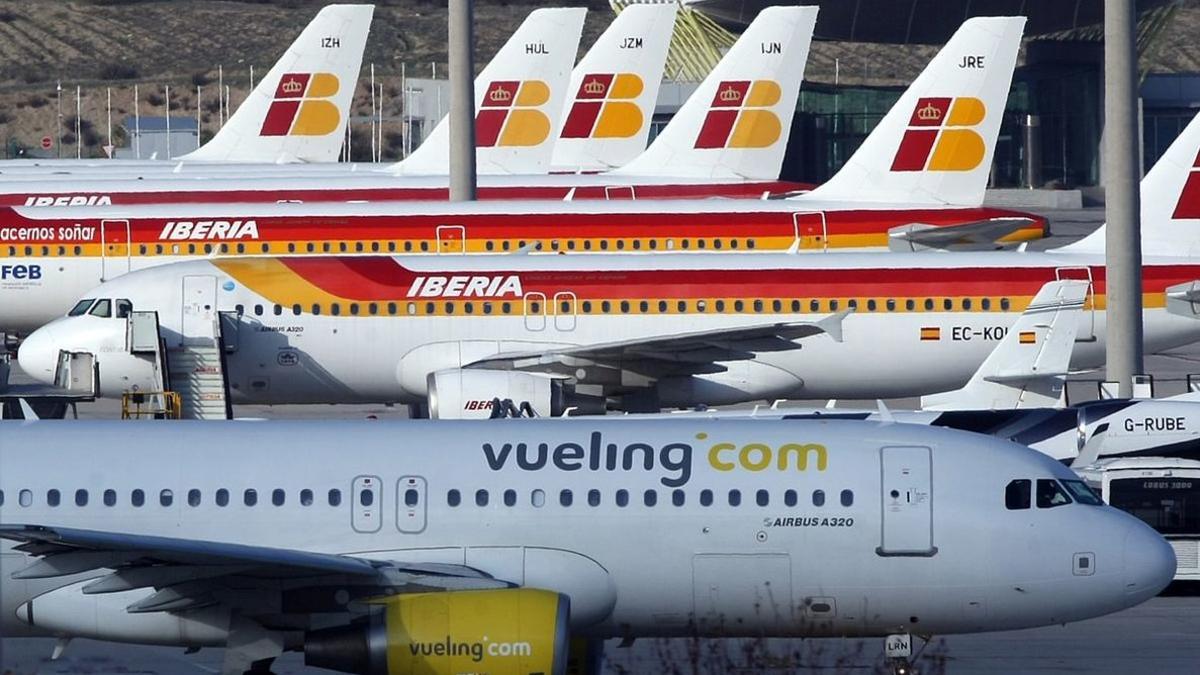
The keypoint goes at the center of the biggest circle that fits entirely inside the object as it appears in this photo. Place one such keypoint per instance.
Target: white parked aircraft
(55, 255)
(297, 113)
(637, 331)
(728, 139)
(264, 537)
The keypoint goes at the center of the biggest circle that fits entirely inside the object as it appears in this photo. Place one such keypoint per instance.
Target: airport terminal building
(865, 53)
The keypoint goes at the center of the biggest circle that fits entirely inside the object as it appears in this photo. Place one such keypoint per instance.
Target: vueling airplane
(634, 331)
(297, 113)
(514, 536)
(598, 126)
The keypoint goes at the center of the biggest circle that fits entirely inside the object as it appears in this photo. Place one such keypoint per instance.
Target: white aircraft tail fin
(1170, 193)
(518, 100)
(935, 145)
(736, 124)
(1028, 365)
(299, 110)
(610, 100)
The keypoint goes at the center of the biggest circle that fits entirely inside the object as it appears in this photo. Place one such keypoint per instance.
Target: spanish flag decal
(1027, 337)
(931, 333)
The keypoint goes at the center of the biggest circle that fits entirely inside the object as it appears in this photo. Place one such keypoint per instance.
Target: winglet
(1028, 366)
(832, 324)
(610, 100)
(885, 415)
(736, 123)
(518, 101)
(299, 111)
(935, 145)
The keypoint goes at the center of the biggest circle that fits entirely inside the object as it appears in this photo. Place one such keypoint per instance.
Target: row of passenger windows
(571, 306)
(623, 498)
(406, 246)
(1020, 494)
(454, 498)
(193, 497)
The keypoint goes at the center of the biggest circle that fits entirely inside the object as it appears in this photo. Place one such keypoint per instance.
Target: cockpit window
(1051, 494)
(103, 309)
(81, 307)
(124, 307)
(1017, 495)
(1082, 493)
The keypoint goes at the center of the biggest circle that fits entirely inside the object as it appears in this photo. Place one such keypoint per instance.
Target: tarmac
(1160, 636)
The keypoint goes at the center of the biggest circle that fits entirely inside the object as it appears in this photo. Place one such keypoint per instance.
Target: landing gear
(897, 650)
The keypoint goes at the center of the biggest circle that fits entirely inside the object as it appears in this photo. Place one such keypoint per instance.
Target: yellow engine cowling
(518, 631)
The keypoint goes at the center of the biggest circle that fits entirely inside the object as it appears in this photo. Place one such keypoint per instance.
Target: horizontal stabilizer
(1028, 366)
(976, 235)
(1184, 299)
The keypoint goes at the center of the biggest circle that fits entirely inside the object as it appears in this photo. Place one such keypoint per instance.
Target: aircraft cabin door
(366, 504)
(619, 192)
(411, 498)
(199, 319)
(1087, 330)
(564, 310)
(811, 230)
(231, 323)
(907, 474)
(116, 250)
(452, 239)
(535, 311)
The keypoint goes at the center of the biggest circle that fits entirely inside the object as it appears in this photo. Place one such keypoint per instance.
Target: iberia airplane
(728, 140)
(472, 547)
(297, 113)
(62, 252)
(633, 331)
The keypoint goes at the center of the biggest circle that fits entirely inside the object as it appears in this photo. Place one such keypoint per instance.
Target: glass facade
(831, 122)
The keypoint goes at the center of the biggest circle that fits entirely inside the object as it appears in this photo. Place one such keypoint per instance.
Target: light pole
(462, 102)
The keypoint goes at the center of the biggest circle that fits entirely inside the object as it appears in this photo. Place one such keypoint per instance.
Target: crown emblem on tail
(500, 95)
(730, 94)
(929, 113)
(291, 86)
(593, 87)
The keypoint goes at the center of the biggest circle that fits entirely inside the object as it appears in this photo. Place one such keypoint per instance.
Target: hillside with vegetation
(109, 45)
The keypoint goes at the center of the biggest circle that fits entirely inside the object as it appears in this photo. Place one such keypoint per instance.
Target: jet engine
(512, 631)
(471, 394)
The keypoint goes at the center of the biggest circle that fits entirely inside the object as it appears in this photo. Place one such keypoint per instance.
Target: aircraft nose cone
(1149, 562)
(38, 355)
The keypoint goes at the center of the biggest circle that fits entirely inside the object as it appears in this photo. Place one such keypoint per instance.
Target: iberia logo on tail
(604, 107)
(940, 136)
(739, 117)
(510, 114)
(301, 106)
(1188, 206)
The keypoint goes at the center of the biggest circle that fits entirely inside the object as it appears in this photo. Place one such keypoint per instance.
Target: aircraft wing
(189, 573)
(691, 353)
(979, 234)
